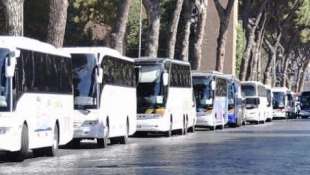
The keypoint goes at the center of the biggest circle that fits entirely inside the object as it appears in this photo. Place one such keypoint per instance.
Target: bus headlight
(90, 123)
(4, 130)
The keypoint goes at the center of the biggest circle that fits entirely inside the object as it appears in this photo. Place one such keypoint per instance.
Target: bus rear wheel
(124, 139)
(52, 151)
(19, 156)
(169, 132)
(184, 127)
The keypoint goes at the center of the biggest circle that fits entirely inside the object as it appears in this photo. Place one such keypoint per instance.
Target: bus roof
(19, 42)
(280, 89)
(252, 82)
(160, 60)
(103, 51)
(206, 74)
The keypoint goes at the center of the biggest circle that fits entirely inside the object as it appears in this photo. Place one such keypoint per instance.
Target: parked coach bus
(104, 95)
(235, 106)
(35, 97)
(255, 98)
(269, 108)
(211, 94)
(280, 102)
(305, 104)
(164, 96)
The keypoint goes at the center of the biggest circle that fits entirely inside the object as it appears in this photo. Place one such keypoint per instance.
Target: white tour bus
(36, 97)
(255, 97)
(269, 109)
(280, 102)
(164, 96)
(211, 94)
(104, 95)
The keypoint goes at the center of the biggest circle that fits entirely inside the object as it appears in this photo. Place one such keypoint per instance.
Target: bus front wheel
(19, 156)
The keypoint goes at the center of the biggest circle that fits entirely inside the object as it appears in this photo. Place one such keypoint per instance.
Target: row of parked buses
(51, 97)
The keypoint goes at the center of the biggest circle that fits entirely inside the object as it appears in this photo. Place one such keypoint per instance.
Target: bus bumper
(278, 114)
(251, 115)
(304, 113)
(9, 139)
(89, 130)
(205, 120)
(154, 124)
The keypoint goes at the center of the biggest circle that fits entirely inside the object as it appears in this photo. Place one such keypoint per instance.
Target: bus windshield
(83, 67)
(4, 92)
(278, 100)
(248, 90)
(305, 101)
(150, 89)
(202, 91)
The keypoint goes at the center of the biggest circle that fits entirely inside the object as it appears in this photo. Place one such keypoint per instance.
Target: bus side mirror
(213, 85)
(99, 75)
(165, 79)
(10, 63)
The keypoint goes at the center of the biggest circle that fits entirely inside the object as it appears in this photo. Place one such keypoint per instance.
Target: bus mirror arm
(10, 64)
(99, 74)
(165, 79)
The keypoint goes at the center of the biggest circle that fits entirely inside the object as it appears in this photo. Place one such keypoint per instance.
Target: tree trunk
(57, 22)
(250, 37)
(152, 8)
(173, 30)
(257, 50)
(302, 75)
(14, 15)
(224, 15)
(120, 26)
(272, 51)
(199, 36)
(186, 29)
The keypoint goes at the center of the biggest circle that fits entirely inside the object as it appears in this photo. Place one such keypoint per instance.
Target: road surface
(280, 148)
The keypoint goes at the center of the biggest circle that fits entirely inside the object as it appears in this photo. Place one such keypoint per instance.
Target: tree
(251, 18)
(152, 8)
(14, 14)
(224, 15)
(173, 29)
(199, 34)
(185, 29)
(119, 29)
(57, 22)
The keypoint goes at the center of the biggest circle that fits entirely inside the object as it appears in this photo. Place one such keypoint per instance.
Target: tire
(52, 151)
(38, 152)
(74, 143)
(19, 156)
(103, 142)
(184, 127)
(192, 129)
(124, 139)
(169, 132)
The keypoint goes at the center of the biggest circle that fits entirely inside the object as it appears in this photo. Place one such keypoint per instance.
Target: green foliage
(82, 13)
(241, 43)
(133, 28)
(303, 20)
(303, 13)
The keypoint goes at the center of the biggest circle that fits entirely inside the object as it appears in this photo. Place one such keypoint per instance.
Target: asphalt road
(280, 147)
